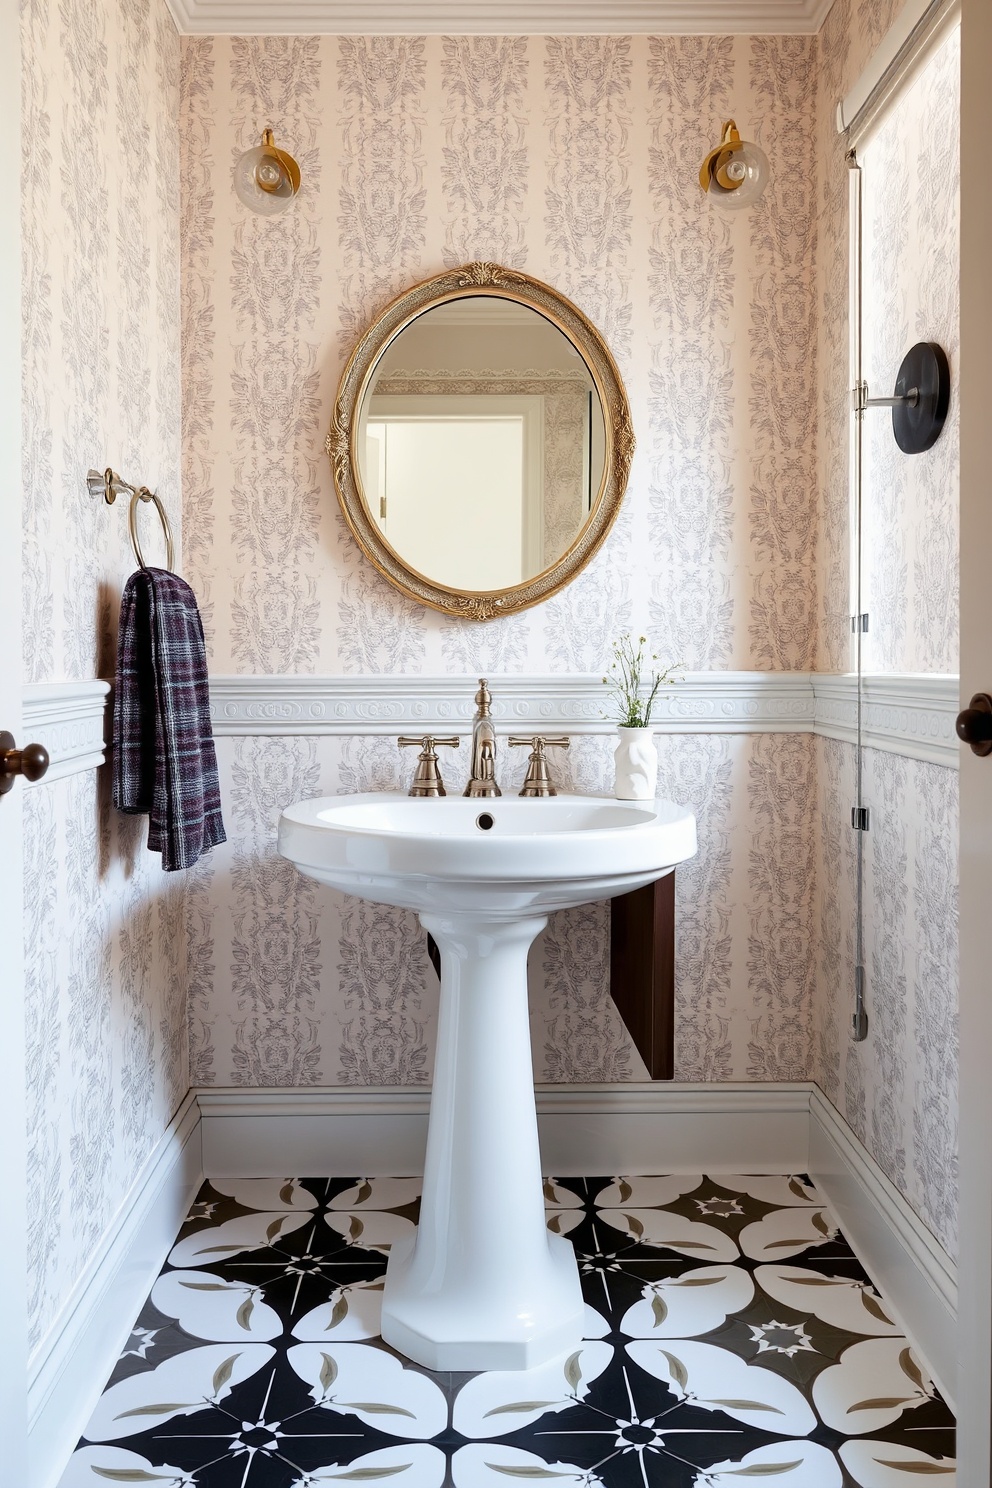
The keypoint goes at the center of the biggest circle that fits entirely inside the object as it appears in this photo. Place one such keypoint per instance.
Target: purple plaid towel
(164, 759)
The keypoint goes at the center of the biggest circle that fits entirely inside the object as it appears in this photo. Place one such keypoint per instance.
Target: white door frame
(13, 1134)
(975, 1089)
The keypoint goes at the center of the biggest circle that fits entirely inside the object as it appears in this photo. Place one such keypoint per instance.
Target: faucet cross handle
(427, 777)
(538, 781)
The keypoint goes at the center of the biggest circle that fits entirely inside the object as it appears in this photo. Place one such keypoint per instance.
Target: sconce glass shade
(736, 173)
(266, 179)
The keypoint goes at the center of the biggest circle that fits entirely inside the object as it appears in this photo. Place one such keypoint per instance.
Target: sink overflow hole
(485, 821)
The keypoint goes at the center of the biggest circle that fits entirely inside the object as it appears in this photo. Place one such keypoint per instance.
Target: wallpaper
(105, 1010)
(565, 156)
(849, 36)
(568, 157)
(572, 158)
(910, 246)
(295, 984)
(899, 1088)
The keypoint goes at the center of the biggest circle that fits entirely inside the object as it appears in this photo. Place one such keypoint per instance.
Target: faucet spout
(482, 767)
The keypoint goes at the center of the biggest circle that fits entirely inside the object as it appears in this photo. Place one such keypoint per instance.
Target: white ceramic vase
(636, 765)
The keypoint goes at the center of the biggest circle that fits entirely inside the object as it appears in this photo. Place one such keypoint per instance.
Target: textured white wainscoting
(71, 1365)
(903, 713)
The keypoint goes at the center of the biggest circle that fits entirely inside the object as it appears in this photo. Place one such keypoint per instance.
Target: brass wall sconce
(736, 172)
(266, 179)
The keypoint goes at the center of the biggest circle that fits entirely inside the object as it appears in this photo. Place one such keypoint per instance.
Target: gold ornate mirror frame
(480, 279)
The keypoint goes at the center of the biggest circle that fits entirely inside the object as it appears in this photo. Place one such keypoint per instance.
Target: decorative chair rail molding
(499, 17)
(706, 702)
(904, 713)
(908, 714)
(68, 718)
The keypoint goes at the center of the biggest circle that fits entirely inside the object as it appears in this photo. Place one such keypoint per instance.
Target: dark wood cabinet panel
(642, 971)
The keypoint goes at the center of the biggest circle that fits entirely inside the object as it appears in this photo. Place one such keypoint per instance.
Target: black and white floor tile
(731, 1336)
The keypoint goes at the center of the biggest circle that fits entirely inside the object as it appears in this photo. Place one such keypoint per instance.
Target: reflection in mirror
(481, 443)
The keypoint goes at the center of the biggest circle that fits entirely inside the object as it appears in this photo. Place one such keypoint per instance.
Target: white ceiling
(499, 17)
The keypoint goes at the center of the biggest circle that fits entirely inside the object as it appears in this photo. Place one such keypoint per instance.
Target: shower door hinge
(860, 622)
(859, 818)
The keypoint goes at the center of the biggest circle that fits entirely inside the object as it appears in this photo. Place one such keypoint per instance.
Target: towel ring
(109, 485)
(143, 494)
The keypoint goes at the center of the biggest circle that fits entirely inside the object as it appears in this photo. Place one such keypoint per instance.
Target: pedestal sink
(484, 1285)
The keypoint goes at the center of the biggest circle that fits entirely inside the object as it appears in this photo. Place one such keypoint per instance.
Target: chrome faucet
(482, 767)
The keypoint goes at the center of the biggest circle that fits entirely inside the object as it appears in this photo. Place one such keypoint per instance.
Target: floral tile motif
(731, 1335)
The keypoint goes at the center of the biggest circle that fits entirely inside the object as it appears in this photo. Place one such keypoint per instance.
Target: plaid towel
(164, 759)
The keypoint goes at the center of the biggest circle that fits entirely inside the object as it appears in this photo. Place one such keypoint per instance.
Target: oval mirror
(481, 442)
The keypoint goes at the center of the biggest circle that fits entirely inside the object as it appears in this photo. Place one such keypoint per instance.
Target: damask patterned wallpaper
(107, 1045)
(295, 985)
(899, 1088)
(571, 158)
(911, 294)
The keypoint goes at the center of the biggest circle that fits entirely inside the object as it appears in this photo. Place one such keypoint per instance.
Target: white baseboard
(71, 1365)
(897, 1250)
(584, 1129)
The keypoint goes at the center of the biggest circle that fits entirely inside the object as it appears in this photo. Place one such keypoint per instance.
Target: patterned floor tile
(731, 1336)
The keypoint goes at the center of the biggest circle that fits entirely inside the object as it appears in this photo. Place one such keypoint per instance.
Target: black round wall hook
(921, 398)
(916, 423)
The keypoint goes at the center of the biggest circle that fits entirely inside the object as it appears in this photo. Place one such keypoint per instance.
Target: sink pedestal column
(485, 1285)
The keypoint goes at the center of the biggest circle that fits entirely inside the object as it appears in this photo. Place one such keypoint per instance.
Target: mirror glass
(481, 443)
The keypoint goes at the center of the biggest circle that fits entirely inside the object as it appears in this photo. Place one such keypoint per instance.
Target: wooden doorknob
(974, 724)
(32, 761)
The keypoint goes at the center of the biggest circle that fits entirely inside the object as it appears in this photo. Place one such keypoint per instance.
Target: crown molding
(499, 17)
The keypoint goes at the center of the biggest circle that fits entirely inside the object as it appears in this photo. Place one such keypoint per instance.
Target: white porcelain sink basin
(484, 1285)
(505, 855)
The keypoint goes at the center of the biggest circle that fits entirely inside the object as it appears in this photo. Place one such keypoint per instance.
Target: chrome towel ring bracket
(110, 485)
